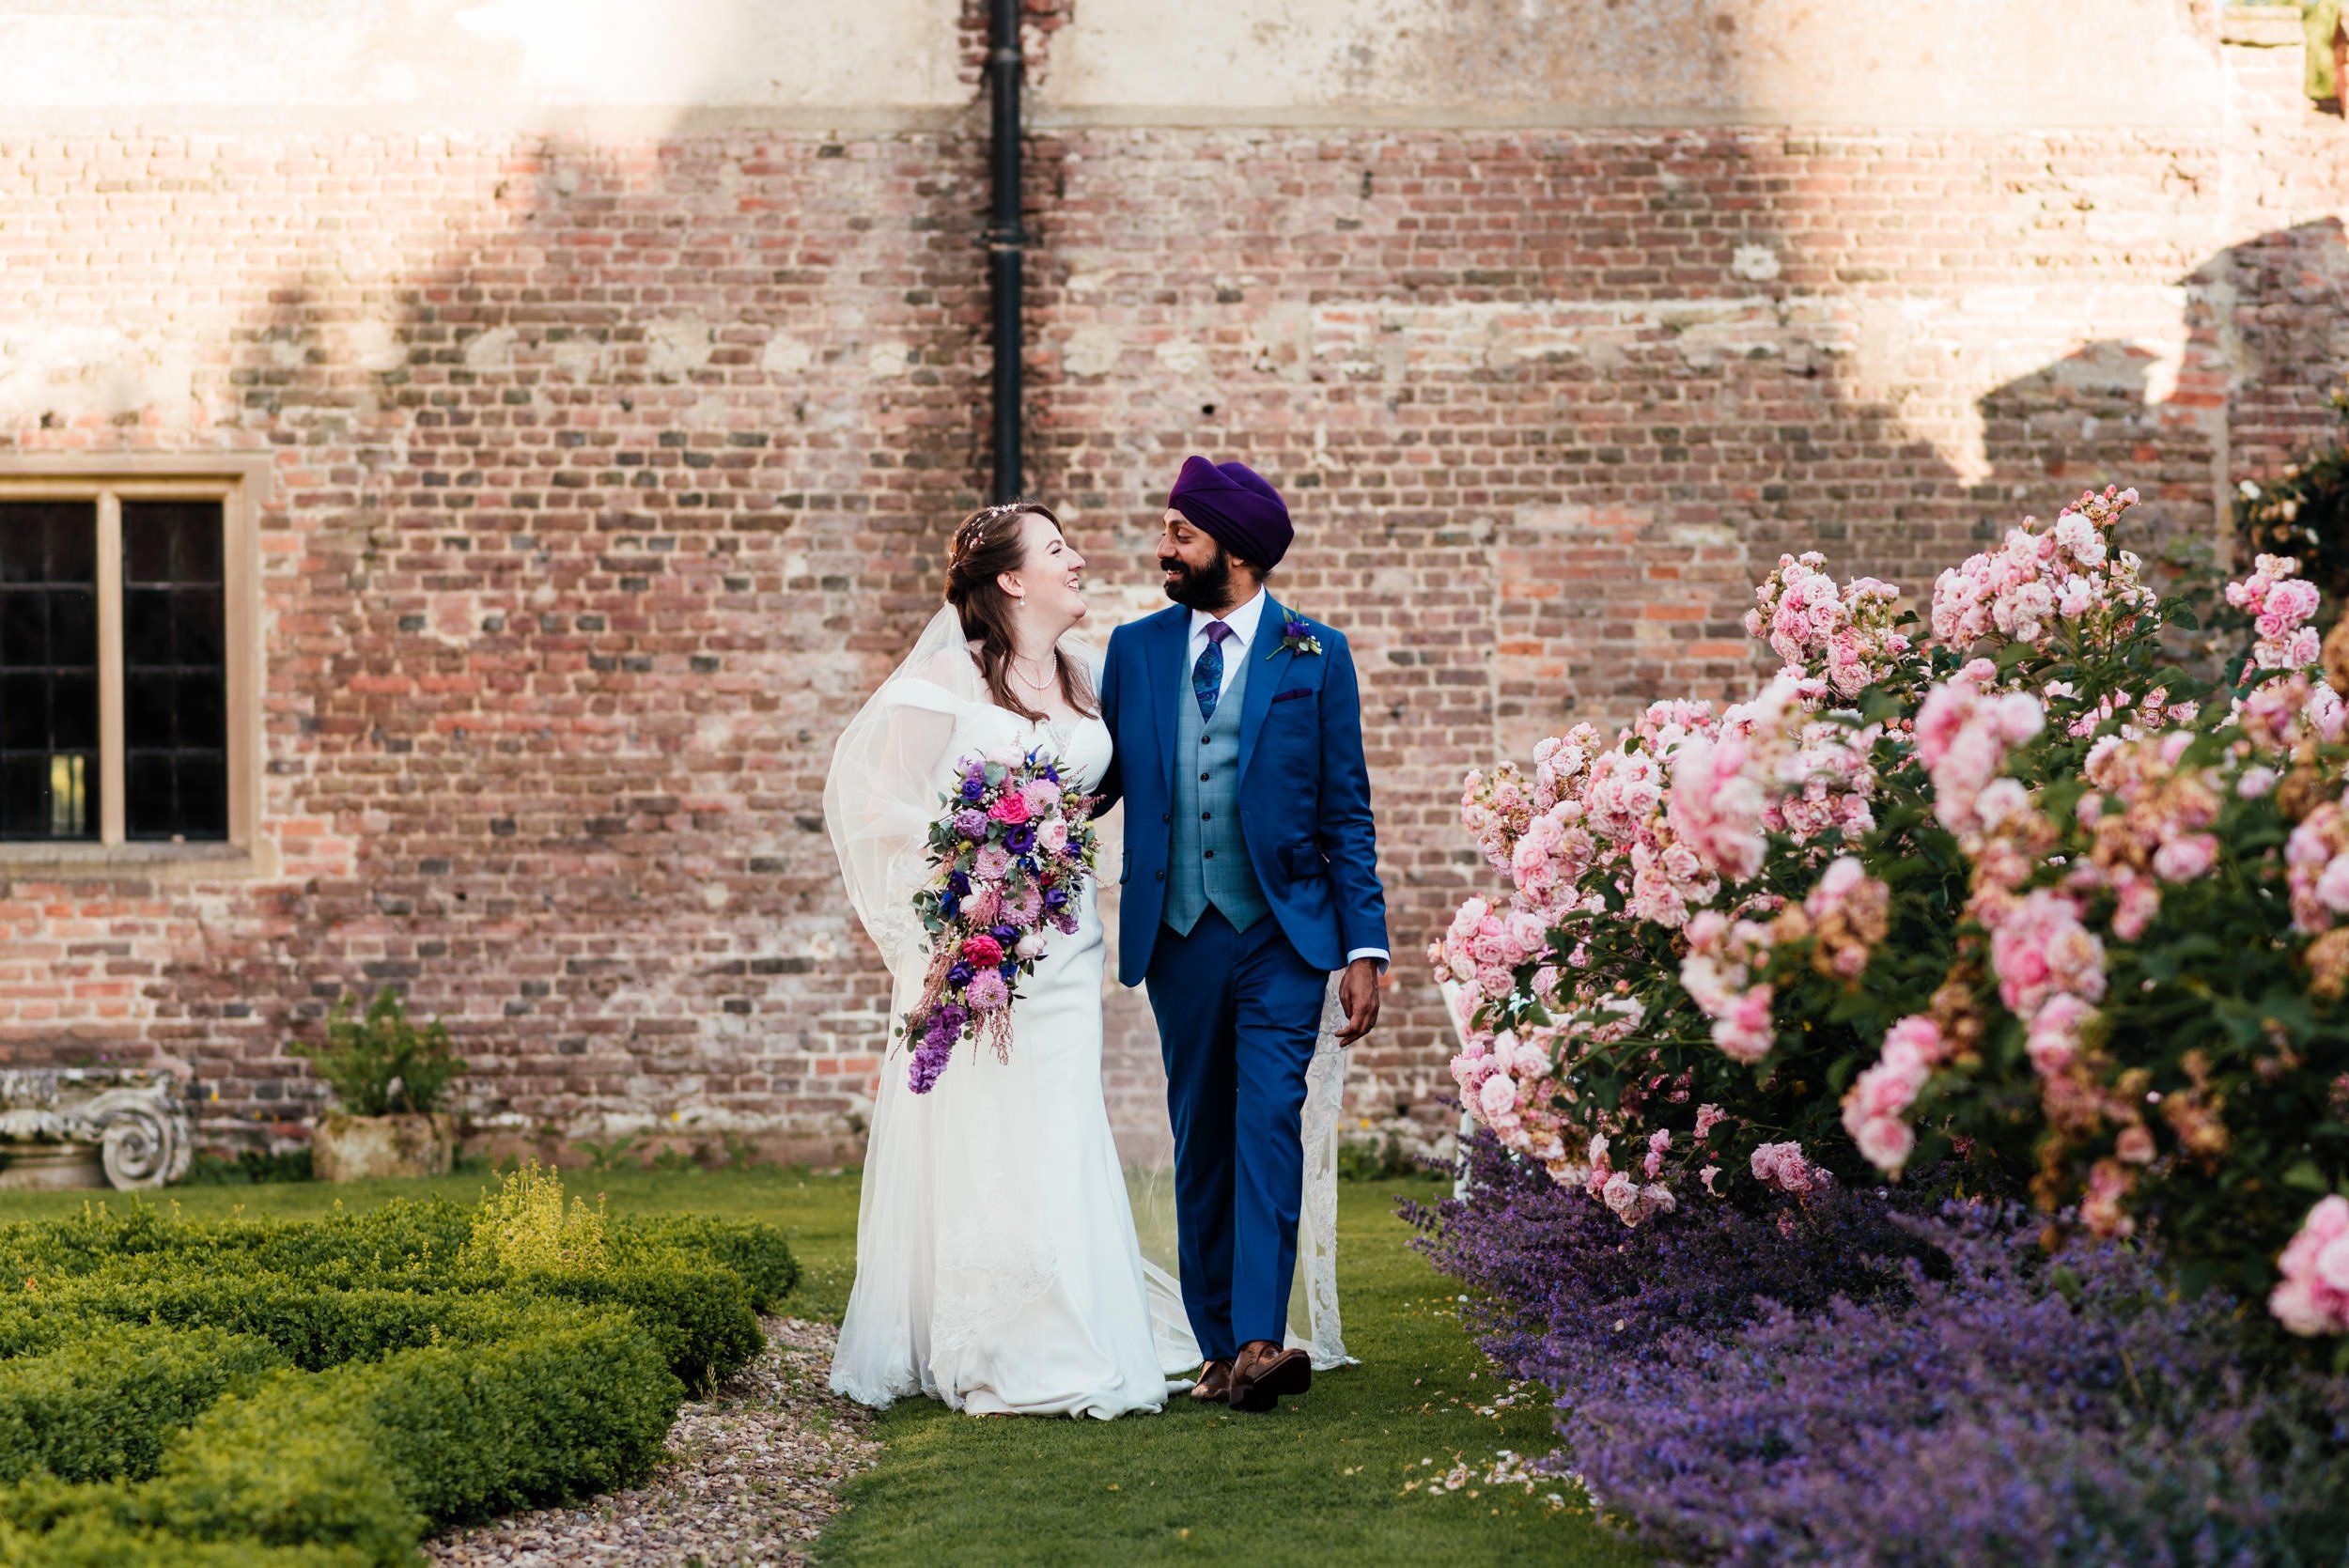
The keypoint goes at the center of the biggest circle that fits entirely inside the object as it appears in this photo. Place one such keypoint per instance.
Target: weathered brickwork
(608, 479)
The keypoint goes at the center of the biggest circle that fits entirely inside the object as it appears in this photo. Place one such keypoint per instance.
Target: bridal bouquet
(1010, 853)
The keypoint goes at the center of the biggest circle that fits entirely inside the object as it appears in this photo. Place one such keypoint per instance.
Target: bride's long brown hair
(987, 544)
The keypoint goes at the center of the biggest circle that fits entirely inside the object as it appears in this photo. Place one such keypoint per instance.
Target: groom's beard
(1207, 588)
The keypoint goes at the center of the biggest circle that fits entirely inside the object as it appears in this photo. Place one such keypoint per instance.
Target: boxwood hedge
(323, 1392)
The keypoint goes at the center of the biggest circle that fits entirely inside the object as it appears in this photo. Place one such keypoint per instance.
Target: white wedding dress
(998, 1266)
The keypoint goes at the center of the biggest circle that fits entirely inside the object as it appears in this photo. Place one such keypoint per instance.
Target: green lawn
(1329, 1478)
(1322, 1480)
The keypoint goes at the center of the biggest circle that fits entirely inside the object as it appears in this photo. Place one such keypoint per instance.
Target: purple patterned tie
(1206, 676)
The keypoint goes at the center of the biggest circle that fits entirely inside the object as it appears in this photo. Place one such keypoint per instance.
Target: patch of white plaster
(1091, 352)
(786, 356)
(491, 350)
(1180, 357)
(676, 346)
(75, 371)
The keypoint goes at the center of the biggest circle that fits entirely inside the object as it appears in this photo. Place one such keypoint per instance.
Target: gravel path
(747, 1483)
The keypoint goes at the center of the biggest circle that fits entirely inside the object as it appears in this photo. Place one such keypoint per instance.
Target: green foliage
(100, 1406)
(569, 1403)
(756, 1251)
(380, 1064)
(696, 1312)
(89, 1539)
(523, 1228)
(322, 1391)
(250, 1168)
(610, 1155)
(1376, 1159)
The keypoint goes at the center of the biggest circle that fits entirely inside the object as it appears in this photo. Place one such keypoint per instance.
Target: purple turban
(1237, 507)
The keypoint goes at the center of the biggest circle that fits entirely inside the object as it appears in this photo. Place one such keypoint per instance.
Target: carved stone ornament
(134, 1114)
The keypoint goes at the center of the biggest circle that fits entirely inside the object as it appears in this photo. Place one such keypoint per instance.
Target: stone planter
(129, 1120)
(361, 1148)
(44, 1167)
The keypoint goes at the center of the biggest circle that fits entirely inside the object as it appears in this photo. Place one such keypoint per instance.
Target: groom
(1251, 873)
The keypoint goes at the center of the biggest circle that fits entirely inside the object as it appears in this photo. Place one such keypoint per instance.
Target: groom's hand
(1358, 993)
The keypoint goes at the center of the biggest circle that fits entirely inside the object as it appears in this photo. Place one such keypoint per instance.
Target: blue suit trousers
(1239, 1013)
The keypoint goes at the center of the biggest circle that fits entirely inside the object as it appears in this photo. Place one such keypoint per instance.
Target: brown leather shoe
(1215, 1383)
(1266, 1373)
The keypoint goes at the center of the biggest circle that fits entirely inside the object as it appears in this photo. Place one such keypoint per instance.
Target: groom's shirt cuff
(1377, 953)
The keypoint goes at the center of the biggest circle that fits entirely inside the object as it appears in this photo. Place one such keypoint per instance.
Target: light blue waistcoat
(1208, 863)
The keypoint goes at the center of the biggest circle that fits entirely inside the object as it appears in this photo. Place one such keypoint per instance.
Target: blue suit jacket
(1304, 790)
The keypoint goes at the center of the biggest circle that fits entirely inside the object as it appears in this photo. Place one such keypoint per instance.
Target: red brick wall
(610, 478)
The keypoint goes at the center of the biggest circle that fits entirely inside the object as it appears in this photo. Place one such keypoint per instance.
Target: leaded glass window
(113, 665)
(175, 719)
(49, 770)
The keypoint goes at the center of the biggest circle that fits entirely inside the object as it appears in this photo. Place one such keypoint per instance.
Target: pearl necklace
(1039, 686)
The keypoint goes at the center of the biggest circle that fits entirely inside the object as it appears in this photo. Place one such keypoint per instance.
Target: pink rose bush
(2064, 581)
(1849, 634)
(2313, 1298)
(1875, 1110)
(1964, 734)
(2281, 606)
(1781, 1166)
(2024, 893)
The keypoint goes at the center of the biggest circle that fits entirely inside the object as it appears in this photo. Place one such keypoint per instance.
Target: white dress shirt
(1243, 622)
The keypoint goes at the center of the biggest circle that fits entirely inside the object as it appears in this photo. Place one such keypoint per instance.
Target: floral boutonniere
(1296, 636)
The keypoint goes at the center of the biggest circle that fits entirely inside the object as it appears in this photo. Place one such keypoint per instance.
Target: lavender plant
(1879, 1377)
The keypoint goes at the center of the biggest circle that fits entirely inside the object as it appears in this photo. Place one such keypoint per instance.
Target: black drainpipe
(1006, 241)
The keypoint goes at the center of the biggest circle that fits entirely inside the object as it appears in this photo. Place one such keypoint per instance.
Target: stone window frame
(240, 482)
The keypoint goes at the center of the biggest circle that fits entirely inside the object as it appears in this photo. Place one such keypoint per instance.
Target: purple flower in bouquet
(959, 975)
(988, 990)
(1004, 934)
(994, 860)
(971, 827)
(975, 785)
(1020, 839)
(929, 1060)
(1055, 900)
(958, 884)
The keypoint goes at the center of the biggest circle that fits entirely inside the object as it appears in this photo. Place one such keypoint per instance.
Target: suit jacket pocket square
(1293, 692)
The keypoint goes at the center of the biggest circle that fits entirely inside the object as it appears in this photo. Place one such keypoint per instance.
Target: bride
(997, 1265)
